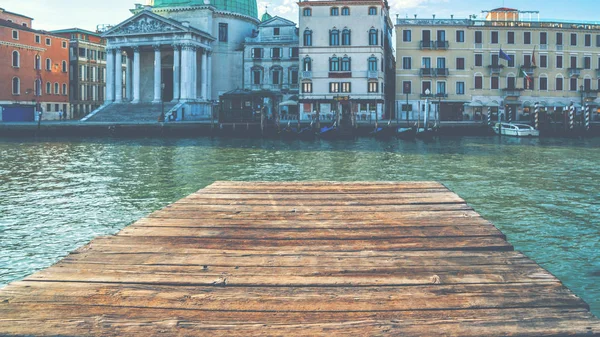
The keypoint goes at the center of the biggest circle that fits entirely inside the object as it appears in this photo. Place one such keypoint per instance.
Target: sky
(87, 14)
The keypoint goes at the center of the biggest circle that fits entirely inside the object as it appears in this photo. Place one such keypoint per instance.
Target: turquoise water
(55, 196)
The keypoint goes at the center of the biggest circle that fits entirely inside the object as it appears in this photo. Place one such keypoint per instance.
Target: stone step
(127, 112)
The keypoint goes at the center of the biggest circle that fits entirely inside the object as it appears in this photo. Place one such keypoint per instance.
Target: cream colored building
(458, 61)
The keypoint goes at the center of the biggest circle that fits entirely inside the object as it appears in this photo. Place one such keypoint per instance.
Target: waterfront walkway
(300, 259)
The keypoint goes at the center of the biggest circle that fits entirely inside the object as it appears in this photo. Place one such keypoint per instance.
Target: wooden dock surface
(300, 259)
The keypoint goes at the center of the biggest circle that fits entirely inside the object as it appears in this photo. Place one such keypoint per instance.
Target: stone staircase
(131, 113)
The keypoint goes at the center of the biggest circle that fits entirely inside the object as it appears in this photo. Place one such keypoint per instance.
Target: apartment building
(504, 63)
(346, 60)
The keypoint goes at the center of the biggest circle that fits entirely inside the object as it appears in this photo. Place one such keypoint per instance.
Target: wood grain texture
(299, 259)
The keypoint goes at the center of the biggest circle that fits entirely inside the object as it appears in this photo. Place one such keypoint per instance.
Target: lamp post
(161, 118)
(406, 89)
(426, 117)
(581, 92)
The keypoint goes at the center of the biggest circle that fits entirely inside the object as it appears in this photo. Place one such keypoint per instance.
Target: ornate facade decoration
(145, 26)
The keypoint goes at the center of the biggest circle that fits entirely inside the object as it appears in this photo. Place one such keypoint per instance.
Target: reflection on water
(57, 195)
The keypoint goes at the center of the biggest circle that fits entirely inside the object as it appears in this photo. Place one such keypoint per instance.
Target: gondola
(329, 132)
(406, 133)
(383, 132)
(290, 132)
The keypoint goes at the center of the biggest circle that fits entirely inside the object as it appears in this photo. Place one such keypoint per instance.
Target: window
(406, 87)
(598, 40)
(334, 37)
(16, 86)
(293, 76)
(425, 85)
(373, 37)
(38, 87)
(406, 63)
(56, 88)
(460, 36)
(276, 74)
(257, 75)
(276, 53)
(306, 87)
(478, 37)
(527, 60)
(64, 89)
(346, 37)
(494, 38)
(294, 52)
(307, 64)
(574, 62)
(346, 87)
(495, 59)
(38, 39)
(441, 62)
(406, 35)
(16, 59)
(559, 39)
(587, 62)
(527, 37)
(574, 39)
(511, 63)
(334, 11)
(334, 64)
(48, 42)
(543, 38)
(256, 53)
(495, 82)
(334, 87)
(223, 27)
(460, 63)
(48, 88)
(559, 61)
(346, 64)
(372, 10)
(426, 62)
(38, 63)
(308, 38)
(460, 88)
(373, 63)
(441, 88)
(64, 44)
(573, 84)
(587, 84)
(276, 31)
(307, 12)
(510, 38)
(64, 66)
(543, 61)
(345, 11)
(543, 83)
(588, 40)
(15, 34)
(373, 87)
(48, 64)
(479, 60)
(559, 84)
(478, 82)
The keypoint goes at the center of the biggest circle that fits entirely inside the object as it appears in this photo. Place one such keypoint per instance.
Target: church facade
(182, 52)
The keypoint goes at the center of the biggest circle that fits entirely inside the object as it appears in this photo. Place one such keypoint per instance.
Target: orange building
(34, 70)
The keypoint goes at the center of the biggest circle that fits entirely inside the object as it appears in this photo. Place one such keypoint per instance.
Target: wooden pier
(300, 259)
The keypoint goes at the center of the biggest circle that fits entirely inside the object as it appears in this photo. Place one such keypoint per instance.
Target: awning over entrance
(475, 104)
(493, 104)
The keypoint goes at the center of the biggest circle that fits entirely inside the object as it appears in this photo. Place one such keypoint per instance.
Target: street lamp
(161, 118)
(425, 119)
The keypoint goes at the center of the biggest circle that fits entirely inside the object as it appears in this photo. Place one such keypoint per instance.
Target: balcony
(427, 72)
(574, 72)
(441, 72)
(340, 74)
(427, 45)
(307, 75)
(528, 69)
(441, 95)
(589, 94)
(434, 45)
(543, 47)
(441, 45)
(511, 92)
(424, 95)
(559, 47)
(372, 74)
(495, 69)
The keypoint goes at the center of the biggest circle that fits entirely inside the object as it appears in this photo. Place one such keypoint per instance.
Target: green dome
(244, 7)
(265, 17)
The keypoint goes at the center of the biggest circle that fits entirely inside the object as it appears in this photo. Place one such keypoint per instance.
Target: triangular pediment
(146, 23)
(277, 22)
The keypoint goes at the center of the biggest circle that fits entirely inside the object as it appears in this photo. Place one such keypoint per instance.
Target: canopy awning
(288, 103)
(475, 104)
(493, 104)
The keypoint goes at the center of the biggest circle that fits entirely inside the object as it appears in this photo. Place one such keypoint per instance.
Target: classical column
(110, 75)
(118, 75)
(176, 72)
(209, 76)
(193, 61)
(128, 86)
(185, 73)
(136, 75)
(204, 74)
(157, 75)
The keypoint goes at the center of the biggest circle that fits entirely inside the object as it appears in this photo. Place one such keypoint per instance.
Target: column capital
(136, 49)
(176, 46)
(156, 47)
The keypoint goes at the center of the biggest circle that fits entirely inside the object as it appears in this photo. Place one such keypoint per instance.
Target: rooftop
(2, 10)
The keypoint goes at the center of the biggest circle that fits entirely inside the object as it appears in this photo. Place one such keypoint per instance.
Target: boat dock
(300, 259)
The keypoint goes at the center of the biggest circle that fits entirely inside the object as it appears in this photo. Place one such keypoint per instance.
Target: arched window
(308, 37)
(334, 11)
(346, 37)
(334, 63)
(372, 37)
(64, 66)
(346, 64)
(37, 84)
(48, 88)
(372, 63)
(307, 12)
(276, 75)
(16, 62)
(56, 89)
(372, 10)
(64, 89)
(345, 11)
(307, 64)
(38, 63)
(334, 37)
(257, 75)
(48, 64)
(16, 86)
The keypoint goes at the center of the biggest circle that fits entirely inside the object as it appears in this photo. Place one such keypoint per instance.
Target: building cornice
(19, 45)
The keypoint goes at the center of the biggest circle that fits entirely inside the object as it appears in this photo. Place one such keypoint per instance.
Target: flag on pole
(504, 56)
(522, 73)
(533, 57)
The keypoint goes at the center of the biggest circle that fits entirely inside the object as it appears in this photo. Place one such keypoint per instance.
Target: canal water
(57, 195)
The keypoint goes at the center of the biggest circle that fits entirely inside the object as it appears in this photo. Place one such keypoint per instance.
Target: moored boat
(516, 130)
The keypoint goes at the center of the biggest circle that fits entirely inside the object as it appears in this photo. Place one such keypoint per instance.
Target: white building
(346, 59)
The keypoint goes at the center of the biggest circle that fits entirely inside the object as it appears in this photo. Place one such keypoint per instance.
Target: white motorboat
(516, 130)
